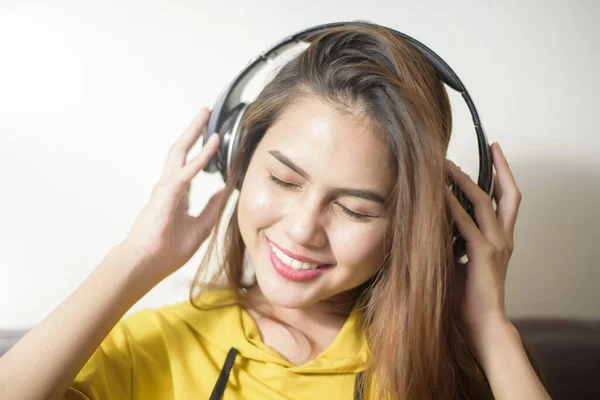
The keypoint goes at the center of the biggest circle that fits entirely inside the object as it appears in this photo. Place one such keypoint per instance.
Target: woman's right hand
(164, 235)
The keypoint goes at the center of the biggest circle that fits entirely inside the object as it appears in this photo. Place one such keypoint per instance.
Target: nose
(303, 223)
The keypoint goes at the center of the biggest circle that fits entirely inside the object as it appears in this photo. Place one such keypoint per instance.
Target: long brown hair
(410, 307)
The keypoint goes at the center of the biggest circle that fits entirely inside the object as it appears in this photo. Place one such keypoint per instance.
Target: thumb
(206, 219)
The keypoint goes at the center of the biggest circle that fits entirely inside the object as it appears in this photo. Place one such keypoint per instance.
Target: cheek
(257, 199)
(257, 205)
(359, 247)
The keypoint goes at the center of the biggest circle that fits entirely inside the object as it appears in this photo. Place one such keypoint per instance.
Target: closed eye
(280, 183)
(360, 217)
(350, 213)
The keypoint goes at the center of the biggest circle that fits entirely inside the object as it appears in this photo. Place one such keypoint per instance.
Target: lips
(296, 275)
(290, 274)
(297, 256)
(290, 262)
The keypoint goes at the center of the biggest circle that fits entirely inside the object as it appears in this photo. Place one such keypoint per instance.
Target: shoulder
(210, 312)
(141, 347)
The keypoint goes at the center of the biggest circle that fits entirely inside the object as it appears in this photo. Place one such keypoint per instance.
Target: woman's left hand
(488, 247)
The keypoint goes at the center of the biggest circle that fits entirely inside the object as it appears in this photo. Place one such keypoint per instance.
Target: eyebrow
(364, 194)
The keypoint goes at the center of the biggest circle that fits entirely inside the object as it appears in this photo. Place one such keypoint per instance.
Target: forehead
(331, 145)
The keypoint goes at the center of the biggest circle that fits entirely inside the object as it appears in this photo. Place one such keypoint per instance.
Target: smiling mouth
(293, 263)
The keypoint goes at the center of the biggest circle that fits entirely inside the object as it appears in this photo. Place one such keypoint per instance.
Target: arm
(494, 341)
(54, 351)
(164, 235)
(504, 359)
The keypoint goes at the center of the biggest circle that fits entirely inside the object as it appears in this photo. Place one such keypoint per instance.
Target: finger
(482, 203)
(184, 203)
(179, 150)
(206, 219)
(469, 231)
(506, 192)
(194, 166)
(497, 193)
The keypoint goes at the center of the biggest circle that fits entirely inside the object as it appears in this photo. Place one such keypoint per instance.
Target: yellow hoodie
(180, 352)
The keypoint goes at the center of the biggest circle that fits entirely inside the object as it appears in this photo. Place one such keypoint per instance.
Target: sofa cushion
(569, 354)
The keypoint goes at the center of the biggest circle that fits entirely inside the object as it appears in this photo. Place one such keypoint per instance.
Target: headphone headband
(228, 111)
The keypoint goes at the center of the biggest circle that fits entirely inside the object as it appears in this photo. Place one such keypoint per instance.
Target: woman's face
(314, 190)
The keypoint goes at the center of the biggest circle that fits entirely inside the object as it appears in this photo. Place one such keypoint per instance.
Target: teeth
(292, 263)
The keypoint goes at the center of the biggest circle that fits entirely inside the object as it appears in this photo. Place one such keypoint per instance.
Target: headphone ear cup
(229, 133)
(459, 245)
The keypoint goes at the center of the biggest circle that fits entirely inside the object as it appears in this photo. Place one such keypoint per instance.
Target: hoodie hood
(230, 326)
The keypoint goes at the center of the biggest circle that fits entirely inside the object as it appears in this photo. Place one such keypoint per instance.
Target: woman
(345, 216)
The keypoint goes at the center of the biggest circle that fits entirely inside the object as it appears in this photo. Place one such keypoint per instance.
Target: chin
(286, 294)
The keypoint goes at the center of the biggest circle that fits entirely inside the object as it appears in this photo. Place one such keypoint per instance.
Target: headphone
(228, 112)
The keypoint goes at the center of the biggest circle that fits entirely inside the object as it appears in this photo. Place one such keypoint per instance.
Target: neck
(318, 324)
(332, 311)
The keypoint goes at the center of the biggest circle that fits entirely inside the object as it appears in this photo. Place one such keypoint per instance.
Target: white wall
(92, 94)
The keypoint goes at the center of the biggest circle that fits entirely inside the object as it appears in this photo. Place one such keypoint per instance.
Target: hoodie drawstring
(219, 388)
(358, 386)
